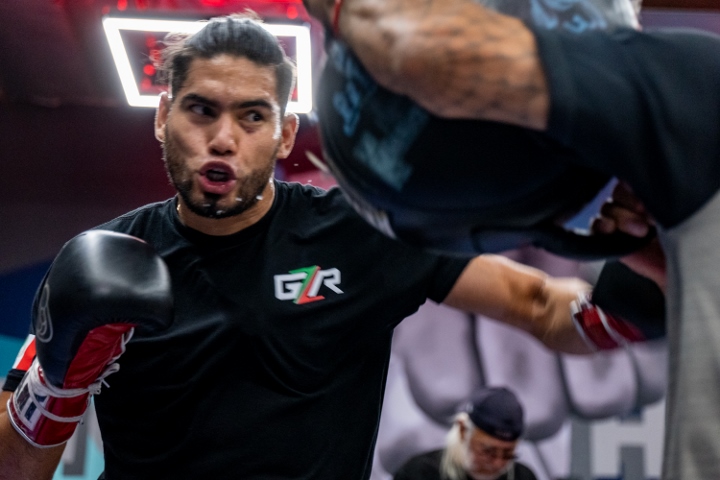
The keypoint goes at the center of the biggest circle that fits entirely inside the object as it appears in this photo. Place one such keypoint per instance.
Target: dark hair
(240, 35)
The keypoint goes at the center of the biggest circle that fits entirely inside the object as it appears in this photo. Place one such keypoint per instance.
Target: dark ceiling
(53, 52)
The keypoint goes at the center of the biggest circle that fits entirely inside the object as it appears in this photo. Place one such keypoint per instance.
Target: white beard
(480, 476)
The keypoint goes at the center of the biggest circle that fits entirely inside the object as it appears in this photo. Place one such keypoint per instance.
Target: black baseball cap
(497, 412)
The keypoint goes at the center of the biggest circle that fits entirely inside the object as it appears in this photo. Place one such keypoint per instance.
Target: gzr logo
(303, 284)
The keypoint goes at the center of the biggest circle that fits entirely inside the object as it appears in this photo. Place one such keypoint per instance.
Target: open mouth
(217, 178)
(217, 175)
(217, 172)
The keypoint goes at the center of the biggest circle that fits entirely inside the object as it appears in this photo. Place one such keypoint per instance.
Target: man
(479, 446)
(393, 159)
(274, 363)
(572, 109)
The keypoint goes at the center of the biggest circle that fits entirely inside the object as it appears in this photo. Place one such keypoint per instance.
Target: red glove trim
(601, 330)
(101, 346)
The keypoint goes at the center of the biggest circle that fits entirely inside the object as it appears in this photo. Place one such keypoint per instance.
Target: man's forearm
(523, 297)
(18, 459)
(457, 59)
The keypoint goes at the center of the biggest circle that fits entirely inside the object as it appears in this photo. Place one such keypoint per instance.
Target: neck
(229, 225)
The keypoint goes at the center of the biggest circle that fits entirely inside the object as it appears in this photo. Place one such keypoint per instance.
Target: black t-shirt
(642, 106)
(276, 362)
(426, 466)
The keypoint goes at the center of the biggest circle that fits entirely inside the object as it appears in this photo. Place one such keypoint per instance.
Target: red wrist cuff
(601, 330)
(43, 419)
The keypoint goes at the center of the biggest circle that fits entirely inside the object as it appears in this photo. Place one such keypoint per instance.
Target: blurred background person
(481, 444)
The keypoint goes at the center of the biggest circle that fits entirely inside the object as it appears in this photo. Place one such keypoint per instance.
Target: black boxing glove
(99, 288)
(623, 308)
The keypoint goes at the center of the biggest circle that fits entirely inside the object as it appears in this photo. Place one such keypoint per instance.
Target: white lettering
(330, 278)
(287, 287)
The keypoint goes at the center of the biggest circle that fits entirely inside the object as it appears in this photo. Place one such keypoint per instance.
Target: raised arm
(457, 59)
(563, 313)
(523, 297)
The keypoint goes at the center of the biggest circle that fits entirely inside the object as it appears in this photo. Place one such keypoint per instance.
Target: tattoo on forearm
(455, 58)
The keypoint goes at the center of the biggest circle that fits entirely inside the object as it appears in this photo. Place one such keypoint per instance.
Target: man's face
(486, 457)
(222, 133)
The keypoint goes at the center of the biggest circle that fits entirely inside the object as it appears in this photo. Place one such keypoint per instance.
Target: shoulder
(313, 213)
(313, 196)
(316, 209)
(138, 222)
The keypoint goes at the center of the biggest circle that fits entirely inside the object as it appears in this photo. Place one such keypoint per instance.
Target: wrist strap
(46, 415)
(38, 391)
(599, 329)
(43, 415)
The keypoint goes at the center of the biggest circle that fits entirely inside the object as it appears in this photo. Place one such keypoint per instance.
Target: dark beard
(251, 189)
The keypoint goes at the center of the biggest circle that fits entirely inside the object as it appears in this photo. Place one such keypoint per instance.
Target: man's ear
(290, 125)
(161, 116)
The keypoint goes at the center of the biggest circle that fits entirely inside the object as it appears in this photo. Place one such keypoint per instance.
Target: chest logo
(303, 285)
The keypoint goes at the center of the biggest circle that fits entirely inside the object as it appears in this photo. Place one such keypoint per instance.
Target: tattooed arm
(456, 58)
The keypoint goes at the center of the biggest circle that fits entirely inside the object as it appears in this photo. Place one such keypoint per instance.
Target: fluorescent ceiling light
(113, 27)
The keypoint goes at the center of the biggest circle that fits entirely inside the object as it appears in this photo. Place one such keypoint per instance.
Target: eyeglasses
(493, 453)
